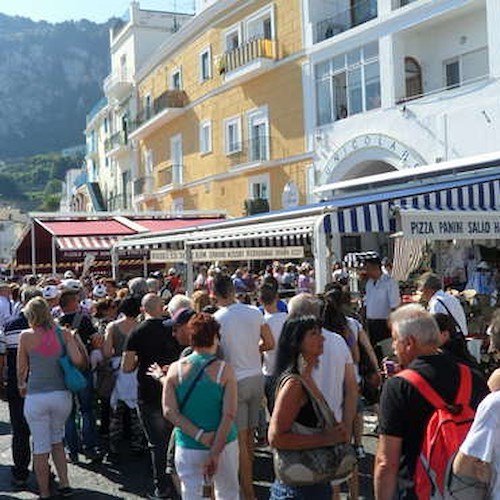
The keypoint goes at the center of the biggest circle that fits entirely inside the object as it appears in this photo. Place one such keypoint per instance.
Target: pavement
(131, 477)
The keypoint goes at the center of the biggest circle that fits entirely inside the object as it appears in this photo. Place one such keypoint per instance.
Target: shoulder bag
(73, 377)
(315, 465)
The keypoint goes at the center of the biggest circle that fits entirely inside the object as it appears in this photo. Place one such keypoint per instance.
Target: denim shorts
(281, 491)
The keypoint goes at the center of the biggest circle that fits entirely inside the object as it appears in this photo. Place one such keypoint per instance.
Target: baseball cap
(99, 291)
(181, 317)
(69, 275)
(71, 284)
(50, 292)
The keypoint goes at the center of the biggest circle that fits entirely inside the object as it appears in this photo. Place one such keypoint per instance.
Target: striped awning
(86, 243)
(377, 215)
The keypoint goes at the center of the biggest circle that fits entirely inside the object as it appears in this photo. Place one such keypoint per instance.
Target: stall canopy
(56, 242)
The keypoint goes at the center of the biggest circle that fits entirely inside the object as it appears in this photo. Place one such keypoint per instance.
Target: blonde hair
(37, 313)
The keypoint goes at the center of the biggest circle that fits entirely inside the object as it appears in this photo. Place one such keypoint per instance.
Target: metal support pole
(54, 263)
(33, 248)
(145, 265)
(114, 263)
(189, 271)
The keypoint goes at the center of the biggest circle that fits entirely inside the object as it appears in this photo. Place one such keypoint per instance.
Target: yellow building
(220, 121)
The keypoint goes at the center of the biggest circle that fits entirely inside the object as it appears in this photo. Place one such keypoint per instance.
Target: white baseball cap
(71, 284)
(99, 291)
(69, 275)
(50, 292)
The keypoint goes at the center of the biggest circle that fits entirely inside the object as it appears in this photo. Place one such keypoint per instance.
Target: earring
(301, 364)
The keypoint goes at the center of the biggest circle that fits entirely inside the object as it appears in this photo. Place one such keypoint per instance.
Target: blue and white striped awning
(375, 212)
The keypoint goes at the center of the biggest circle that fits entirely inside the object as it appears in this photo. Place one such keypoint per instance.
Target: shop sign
(81, 254)
(467, 226)
(248, 253)
(160, 256)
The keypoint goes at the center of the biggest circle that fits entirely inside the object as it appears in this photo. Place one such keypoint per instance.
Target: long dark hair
(332, 315)
(290, 342)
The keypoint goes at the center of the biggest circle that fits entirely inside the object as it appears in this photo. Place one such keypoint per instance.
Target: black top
(152, 342)
(86, 328)
(404, 412)
(307, 416)
(12, 331)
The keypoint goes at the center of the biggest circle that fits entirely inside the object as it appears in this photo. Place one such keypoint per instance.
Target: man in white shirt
(440, 302)
(7, 311)
(244, 336)
(381, 297)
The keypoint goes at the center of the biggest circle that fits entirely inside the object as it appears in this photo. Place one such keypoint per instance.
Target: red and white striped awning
(86, 243)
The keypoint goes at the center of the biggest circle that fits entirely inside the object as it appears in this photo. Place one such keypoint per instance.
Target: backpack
(444, 433)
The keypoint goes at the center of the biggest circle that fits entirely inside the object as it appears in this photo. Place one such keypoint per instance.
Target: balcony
(256, 206)
(143, 185)
(358, 13)
(248, 60)
(165, 107)
(115, 141)
(397, 4)
(117, 86)
(255, 150)
(169, 175)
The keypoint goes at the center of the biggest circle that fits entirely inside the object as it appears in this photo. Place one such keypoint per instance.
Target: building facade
(393, 84)
(220, 113)
(12, 223)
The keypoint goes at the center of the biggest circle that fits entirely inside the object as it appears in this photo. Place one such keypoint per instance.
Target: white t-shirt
(454, 306)
(275, 321)
(483, 439)
(330, 373)
(240, 335)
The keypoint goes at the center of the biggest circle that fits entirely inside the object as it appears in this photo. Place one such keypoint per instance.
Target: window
(452, 73)
(123, 67)
(348, 84)
(205, 137)
(232, 135)
(413, 77)
(148, 162)
(261, 24)
(176, 158)
(258, 187)
(258, 135)
(147, 107)
(176, 79)
(205, 65)
(232, 38)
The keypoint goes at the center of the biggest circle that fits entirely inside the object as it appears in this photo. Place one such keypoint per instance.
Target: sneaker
(360, 452)
(72, 457)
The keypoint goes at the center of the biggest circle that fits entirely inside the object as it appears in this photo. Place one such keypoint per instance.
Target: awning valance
(86, 243)
(450, 225)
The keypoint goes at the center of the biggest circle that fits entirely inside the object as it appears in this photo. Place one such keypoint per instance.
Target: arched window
(413, 77)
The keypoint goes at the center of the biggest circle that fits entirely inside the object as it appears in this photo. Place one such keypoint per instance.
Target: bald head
(152, 305)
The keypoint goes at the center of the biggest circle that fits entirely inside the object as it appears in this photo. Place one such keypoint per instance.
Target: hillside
(50, 77)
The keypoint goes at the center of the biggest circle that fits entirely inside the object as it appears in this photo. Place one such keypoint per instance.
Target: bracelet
(198, 435)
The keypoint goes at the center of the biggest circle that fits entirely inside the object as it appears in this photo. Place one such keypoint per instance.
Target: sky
(94, 10)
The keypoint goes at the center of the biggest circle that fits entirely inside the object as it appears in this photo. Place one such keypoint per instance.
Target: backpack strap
(464, 387)
(423, 387)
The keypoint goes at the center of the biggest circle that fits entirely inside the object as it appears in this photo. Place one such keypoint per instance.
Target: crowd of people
(200, 380)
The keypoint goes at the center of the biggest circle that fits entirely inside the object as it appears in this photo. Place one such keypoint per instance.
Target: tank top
(45, 374)
(204, 406)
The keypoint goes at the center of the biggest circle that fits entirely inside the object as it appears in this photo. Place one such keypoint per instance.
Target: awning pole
(54, 263)
(145, 266)
(321, 260)
(189, 271)
(114, 263)
(33, 248)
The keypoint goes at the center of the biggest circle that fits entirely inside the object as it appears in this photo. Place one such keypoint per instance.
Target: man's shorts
(250, 394)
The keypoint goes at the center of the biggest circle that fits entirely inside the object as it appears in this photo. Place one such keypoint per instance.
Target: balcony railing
(250, 51)
(169, 99)
(119, 83)
(397, 4)
(170, 175)
(143, 185)
(116, 140)
(253, 150)
(358, 13)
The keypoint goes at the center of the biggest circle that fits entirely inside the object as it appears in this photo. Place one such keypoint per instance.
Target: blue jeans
(88, 438)
(280, 491)
(157, 431)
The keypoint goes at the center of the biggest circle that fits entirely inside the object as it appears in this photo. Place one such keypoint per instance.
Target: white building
(392, 84)
(12, 223)
(131, 42)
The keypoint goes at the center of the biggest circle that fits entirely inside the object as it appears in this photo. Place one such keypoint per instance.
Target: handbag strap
(320, 405)
(195, 381)
(61, 340)
(457, 324)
